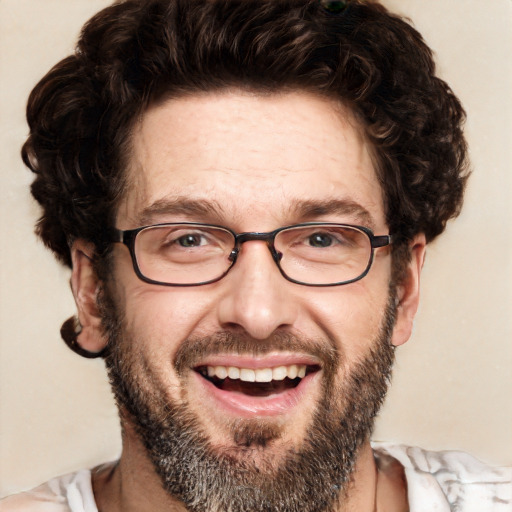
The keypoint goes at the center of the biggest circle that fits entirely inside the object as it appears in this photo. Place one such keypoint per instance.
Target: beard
(312, 476)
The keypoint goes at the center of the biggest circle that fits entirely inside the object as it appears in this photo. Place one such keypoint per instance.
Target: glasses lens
(324, 254)
(183, 254)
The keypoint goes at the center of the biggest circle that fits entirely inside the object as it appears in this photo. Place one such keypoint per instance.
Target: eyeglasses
(192, 254)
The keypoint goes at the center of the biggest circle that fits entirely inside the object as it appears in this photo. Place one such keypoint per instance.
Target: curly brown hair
(137, 52)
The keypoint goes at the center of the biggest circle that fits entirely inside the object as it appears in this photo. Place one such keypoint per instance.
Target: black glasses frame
(127, 237)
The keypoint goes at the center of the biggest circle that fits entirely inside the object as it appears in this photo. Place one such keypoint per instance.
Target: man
(244, 191)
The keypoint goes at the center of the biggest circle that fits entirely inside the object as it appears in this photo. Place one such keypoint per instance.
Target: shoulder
(451, 480)
(68, 493)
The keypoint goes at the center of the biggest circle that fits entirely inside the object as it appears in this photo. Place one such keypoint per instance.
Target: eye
(320, 240)
(191, 240)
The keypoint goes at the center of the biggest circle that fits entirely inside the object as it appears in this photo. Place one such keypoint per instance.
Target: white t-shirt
(436, 482)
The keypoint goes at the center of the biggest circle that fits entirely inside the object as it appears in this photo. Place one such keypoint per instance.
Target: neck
(132, 484)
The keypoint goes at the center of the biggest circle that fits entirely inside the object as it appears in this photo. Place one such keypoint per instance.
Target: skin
(255, 160)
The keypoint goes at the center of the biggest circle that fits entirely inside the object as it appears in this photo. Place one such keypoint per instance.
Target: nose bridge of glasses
(254, 236)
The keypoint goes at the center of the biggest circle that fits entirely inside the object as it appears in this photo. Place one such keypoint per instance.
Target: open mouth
(258, 382)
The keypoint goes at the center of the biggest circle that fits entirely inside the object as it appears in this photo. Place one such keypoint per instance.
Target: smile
(256, 388)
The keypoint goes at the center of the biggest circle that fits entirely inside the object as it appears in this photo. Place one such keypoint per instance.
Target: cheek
(352, 316)
(156, 324)
(158, 316)
(164, 317)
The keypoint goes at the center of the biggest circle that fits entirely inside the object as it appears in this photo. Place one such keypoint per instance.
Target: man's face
(252, 163)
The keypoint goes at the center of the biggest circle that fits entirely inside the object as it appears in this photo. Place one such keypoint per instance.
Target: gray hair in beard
(312, 478)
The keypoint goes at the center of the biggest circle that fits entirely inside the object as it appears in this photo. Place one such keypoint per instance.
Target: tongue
(257, 388)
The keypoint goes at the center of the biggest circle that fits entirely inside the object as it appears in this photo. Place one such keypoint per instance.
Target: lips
(245, 386)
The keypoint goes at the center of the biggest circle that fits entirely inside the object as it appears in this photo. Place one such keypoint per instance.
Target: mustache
(195, 349)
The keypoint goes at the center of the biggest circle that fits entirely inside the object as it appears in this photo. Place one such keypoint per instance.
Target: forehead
(251, 159)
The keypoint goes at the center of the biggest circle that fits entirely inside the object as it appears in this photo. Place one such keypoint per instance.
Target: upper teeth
(258, 375)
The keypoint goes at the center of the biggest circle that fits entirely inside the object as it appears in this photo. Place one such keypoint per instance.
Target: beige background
(453, 379)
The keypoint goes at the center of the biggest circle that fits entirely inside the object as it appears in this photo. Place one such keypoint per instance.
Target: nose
(257, 298)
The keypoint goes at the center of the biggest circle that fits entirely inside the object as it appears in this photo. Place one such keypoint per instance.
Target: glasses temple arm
(116, 235)
(381, 241)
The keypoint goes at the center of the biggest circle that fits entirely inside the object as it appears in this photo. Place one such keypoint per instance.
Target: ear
(408, 292)
(85, 285)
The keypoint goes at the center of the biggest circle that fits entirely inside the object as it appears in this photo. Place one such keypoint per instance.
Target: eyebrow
(307, 210)
(299, 210)
(179, 206)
